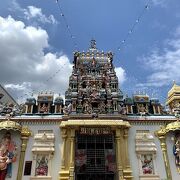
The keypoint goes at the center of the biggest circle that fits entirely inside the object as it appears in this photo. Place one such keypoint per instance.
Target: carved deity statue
(176, 151)
(44, 108)
(102, 108)
(42, 166)
(147, 164)
(142, 109)
(4, 161)
(8, 155)
(122, 109)
(67, 109)
(87, 107)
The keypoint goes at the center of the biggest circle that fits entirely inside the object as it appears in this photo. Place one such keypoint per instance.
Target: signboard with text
(95, 130)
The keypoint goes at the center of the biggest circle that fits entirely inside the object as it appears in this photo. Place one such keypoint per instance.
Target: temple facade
(96, 133)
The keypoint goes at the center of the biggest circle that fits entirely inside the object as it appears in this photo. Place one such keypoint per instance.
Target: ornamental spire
(93, 44)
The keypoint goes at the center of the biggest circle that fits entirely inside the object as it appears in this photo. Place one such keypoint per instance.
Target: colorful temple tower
(93, 85)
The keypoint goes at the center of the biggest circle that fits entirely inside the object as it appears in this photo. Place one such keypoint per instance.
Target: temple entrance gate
(94, 149)
(95, 155)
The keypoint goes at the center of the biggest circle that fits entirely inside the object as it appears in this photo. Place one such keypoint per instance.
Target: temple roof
(174, 93)
(5, 97)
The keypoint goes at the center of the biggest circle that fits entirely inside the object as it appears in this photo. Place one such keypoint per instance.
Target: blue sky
(35, 43)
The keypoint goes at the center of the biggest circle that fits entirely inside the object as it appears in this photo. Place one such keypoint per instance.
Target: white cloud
(19, 91)
(159, 2)
(120, 72)
(164, 64)
(33, 12)
(21, 87)
(24, 66)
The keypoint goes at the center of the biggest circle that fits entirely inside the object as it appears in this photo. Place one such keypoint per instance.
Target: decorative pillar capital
(118, 133)
(72, 133)
(63, 133)
(25, 132)
(161, 132)
(126, 133)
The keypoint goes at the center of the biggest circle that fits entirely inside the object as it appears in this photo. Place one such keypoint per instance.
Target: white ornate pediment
(43, 150)
(44, 142)
(146, 151)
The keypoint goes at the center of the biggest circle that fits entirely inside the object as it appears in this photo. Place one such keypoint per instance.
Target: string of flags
(53, 75)
(27, 94)
(73, 37)
(75, 46)
(131, 30)
(31, 93)
(146, 7)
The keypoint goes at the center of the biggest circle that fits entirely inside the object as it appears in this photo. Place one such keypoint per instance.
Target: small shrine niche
(30, 103)
(146, 154)
(43, 151)
(156, 106)
(41, 168)
(142, 103)
(147, 163)
(129, 105)
(44, 104)
(45, 101)
(176, 150)
(156, 109)
(129, 109)
(142, 109)
(58, 103)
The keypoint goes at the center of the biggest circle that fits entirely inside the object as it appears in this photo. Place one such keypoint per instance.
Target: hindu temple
(96, 133)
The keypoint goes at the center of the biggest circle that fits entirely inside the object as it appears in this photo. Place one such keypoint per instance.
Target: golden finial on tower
(174, 82)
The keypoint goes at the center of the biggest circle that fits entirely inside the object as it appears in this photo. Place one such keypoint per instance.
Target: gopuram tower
(93, 85)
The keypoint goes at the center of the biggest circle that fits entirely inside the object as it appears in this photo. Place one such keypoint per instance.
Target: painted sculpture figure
(11, 148)
(42, 166)
(44, 108)
(147, 165)
(176, 151)
(4, 161)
